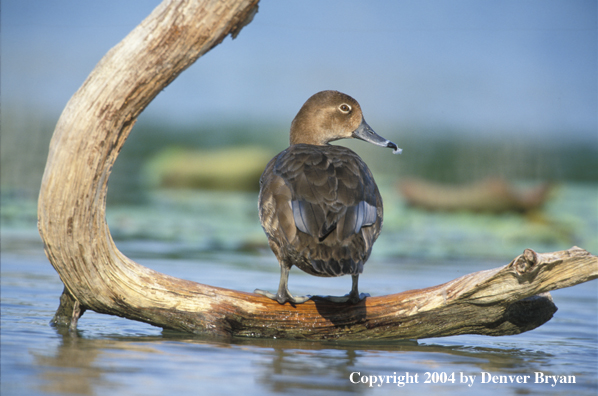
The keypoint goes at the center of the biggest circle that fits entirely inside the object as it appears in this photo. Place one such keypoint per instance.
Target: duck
(319, 204)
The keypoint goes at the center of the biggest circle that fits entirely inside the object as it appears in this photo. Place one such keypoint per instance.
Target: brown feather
(330, 187)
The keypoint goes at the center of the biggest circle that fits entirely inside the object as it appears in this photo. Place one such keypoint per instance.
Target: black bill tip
(395, 149)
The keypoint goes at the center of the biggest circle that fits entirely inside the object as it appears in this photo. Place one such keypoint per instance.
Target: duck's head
(332, 115)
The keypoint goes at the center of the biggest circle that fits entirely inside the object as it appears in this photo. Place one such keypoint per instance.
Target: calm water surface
(110, 355)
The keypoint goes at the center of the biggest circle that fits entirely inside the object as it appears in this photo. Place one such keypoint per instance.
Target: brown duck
(319, 204)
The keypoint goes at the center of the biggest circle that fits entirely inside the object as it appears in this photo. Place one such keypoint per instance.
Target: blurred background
(473, 91)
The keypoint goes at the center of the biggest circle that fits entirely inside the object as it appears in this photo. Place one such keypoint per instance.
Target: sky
(503, 68)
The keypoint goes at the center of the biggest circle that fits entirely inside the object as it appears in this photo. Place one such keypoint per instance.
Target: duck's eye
(345, 108)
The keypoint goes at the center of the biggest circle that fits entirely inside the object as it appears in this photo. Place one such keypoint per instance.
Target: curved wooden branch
(97, 276)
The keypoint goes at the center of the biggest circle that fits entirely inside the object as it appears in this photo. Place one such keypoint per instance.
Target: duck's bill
(366, 133)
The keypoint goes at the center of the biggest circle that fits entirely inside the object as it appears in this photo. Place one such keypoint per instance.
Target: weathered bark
(69, 311)
(97, 276)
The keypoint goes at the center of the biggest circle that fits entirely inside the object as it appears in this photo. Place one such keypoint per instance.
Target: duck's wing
(327, 193)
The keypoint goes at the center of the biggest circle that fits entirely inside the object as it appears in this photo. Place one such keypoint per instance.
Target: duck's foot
(352, 298)
(283, 298)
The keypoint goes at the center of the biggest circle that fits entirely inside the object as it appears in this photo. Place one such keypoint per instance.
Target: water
(214, 239)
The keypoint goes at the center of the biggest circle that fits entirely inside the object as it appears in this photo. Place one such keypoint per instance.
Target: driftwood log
(97, 276)
(488, 195)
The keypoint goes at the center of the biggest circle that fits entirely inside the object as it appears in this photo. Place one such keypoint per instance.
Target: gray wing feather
(361, 215)
(300, 216)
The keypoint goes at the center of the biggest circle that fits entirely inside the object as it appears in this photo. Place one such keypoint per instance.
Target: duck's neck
(306, 135)
(298, 139)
